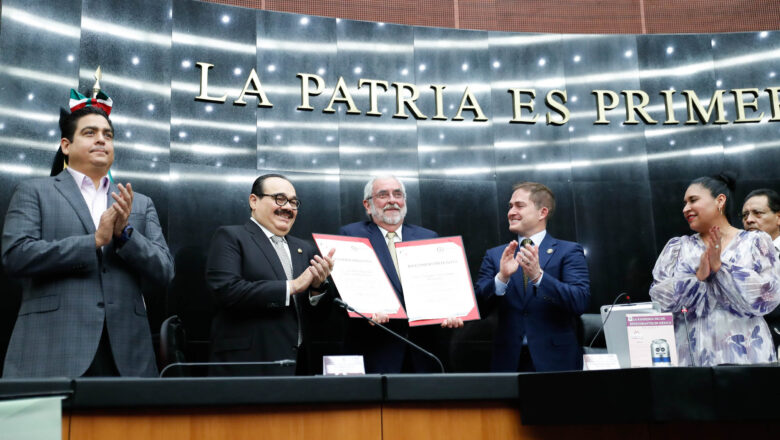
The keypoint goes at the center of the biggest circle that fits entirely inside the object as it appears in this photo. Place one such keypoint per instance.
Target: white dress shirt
(96, 198)
(398, 234)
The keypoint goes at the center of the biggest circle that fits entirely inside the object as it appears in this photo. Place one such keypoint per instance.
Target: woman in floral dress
(725, 278)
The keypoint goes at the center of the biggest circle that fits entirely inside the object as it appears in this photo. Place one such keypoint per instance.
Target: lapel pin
(300, 251)
(549, 251)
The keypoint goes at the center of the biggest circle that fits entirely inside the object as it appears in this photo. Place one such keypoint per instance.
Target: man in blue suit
(541, 288)
(384, 199)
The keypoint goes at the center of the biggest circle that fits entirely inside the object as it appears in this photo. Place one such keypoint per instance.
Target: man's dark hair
(257, 187)
(68, 123)
(772, 197)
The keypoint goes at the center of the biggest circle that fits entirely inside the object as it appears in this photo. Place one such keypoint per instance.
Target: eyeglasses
(385, 195)
(282, 200)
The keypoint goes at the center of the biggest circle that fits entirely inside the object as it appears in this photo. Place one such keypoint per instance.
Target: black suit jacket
(248, 282)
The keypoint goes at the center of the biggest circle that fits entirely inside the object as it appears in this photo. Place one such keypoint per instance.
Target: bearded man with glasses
(265, 283)
(384, 199)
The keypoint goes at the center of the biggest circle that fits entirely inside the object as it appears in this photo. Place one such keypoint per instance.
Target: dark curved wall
(619, 187)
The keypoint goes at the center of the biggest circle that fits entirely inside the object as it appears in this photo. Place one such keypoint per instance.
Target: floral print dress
(725, 324)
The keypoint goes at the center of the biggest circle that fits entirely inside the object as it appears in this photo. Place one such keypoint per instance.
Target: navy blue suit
(546, 315)
(383, 353)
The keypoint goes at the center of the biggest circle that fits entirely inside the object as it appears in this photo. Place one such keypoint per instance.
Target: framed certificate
(359, 277)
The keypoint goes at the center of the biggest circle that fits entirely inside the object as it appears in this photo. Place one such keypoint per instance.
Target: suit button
(100, 305)
(105, 270)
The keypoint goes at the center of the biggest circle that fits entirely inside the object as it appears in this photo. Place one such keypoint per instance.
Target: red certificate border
(473, 314)
(400, 313)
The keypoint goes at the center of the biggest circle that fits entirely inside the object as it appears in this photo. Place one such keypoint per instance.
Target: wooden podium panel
(268, 423)
(501, 421)
(450, 420)
(486, 420)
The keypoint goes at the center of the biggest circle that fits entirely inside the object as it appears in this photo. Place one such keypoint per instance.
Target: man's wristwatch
(123, 238)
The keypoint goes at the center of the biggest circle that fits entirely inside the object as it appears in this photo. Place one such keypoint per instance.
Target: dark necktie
(522, 244)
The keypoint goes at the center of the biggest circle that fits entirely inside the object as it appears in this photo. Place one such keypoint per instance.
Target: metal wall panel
(381, 143)
(452, 149)
(203, 132)
(524, 150)
(289, 139)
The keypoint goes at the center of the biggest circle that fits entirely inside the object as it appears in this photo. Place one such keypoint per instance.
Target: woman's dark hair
(68, 123)
(723, 183)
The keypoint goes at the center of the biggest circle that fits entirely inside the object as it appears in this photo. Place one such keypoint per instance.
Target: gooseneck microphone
(684, 311)
(606, 318)
(281, 363)
(346, 306)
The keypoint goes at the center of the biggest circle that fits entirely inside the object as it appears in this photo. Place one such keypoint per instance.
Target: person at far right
(761, 212)
(726, 278)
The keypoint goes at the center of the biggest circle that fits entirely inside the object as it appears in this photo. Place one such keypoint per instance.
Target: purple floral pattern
(725, 311)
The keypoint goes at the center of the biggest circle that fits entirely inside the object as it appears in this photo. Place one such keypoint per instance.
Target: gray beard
(392, 219)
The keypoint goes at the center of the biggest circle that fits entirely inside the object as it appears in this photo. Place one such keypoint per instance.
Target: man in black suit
(384, 199)
(265, 283)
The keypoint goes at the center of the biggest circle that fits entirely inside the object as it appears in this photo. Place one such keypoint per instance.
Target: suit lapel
(379, 243)
(112, 188)
(268, 250)
(547, 250)
(299, 259)
(67, 187)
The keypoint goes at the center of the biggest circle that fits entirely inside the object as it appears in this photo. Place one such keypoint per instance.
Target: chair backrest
(173, 341)
(590, 324)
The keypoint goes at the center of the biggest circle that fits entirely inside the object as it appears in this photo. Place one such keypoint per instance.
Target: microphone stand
(606, 318)
(346, 306)
(684, 311)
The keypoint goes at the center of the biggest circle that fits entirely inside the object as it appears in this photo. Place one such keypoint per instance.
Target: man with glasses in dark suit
(264, 282)
(384, 199)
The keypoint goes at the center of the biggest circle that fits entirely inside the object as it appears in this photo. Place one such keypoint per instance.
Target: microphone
(684, 311)
(281, 363)
(346, 306)
(606, 318)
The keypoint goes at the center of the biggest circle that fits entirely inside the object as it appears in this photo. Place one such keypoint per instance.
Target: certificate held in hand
(359, 277)
(436, 281)
(434, 275)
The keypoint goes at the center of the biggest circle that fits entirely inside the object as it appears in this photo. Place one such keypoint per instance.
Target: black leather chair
(173, 340)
